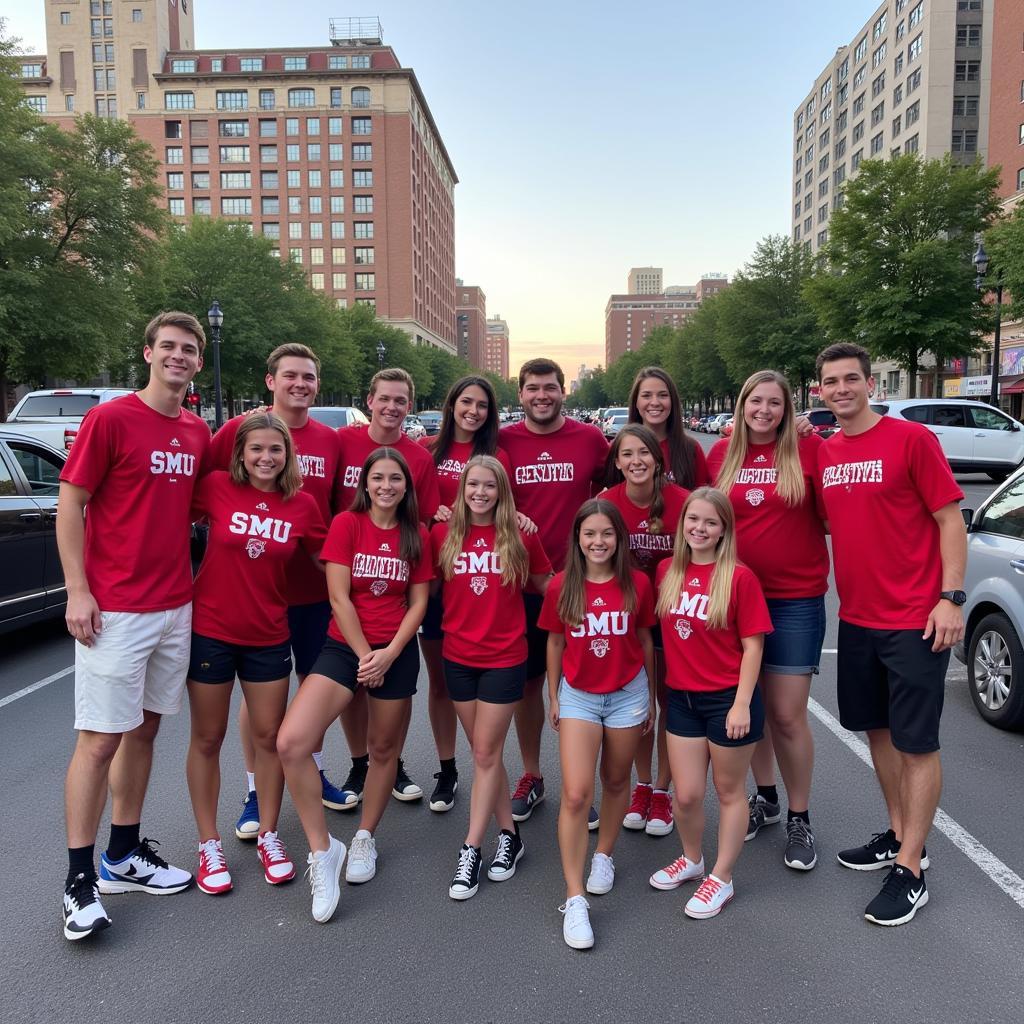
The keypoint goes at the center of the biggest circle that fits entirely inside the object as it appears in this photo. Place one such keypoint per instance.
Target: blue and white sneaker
(248, 824)
(143, 870)
(348, 796)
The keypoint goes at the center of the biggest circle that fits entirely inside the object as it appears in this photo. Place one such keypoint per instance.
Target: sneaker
(83, 912)
(712, 894)
(880, 852)
(659, 819)
(248, 824)
(143, 870)
(277, 868)
(443, 797)
(679, 871)
(213, 876)
(800, 852)
(593, 820)
(576, 928)
(509, 852)
(467, 874)
(639, 808)
(902, 895)
(527, 795)
(362, 858)
(404, 788)
(761, 813)
(348, 797)
(324, 873)
(602, 875)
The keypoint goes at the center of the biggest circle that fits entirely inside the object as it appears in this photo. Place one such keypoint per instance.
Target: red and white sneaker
(213, 875)
(277, 868)
(679, 871)
(659, 820)
(639, 808)
(712, 894)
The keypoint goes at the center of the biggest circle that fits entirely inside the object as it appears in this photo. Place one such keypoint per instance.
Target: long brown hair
(485, 439)
(614, 475)
(682, 459)
(407, 513)
(289, 480)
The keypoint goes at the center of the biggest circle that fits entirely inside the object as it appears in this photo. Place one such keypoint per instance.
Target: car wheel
(995, 663)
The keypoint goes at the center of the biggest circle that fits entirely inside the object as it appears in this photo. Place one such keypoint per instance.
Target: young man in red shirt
(293, 378)
(557, 464)
(884, 480)
(126, 564)
(391, 398)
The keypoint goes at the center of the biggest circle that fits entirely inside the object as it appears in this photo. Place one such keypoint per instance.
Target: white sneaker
(602, 874)
(83, 913)
(143, 870)
(324, 874)
(679, 871)
(710, 897)
(576, 928)
(362, 858)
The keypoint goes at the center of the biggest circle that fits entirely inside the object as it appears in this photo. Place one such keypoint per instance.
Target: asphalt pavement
(790, 947)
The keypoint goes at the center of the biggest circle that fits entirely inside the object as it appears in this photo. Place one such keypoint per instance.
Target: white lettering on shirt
(545, 472)
(352, 474)
(756, 476)
(692, 605)
(452, 467)
(603, 624)
(312, 465)
(476, 562)
(847, 473)
(260, 526)
(380, 568)
(172, 463)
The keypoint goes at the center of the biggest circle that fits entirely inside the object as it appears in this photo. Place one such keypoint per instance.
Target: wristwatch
(958, 597)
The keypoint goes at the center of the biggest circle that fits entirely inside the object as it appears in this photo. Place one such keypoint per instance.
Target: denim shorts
(430, 628)
(794, 646)
(619, 709)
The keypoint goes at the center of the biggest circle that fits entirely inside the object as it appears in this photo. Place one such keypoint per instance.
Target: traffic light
(193, 401)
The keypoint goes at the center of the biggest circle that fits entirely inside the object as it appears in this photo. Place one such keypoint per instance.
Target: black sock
(123, 839)
(81, 861)
(448, 766)
(806, 815)
(770, 793)
(361, 762)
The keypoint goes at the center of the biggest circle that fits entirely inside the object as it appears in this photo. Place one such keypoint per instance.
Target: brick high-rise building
(496, 347)
(471, 323)
(1006, 106)
(331, 151)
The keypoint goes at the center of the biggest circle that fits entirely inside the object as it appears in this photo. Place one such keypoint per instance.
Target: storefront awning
(1015, 387)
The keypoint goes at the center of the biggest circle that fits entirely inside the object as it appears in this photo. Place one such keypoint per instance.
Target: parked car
(431, 420)
(715, 421)
(994, 612)
(54, 415)
(822, 420)
(413, 428)
(615, 410)
(32, 582)
(614, 423)
(976, 437)
(724, 421)
(726, 428)
(338, 415)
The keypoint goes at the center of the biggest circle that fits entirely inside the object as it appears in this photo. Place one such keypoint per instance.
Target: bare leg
(689, 757)
(786, 706)
(209, 706)
(888, 767)
(85, 788)
(729, 767)
(267, 703)
(487, 729)
(618, 749)
(645, 748)
(530, 724)
(388, 721)
(248, 750)
(579, 744)
(129, 771)
(354, 721)
(440, 708)
(763, 762)
(920, 787)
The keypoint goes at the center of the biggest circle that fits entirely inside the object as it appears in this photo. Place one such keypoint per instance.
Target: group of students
(666, 599)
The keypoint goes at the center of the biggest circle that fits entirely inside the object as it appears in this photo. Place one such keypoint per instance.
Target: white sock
(250, 781)
(318, 760)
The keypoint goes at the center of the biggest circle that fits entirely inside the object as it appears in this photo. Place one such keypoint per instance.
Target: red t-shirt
(702, 659)
(140, 468)
(879, 490)
(450, 468)
(356, 445)
(380, 576)
(784, 545)
(552, 475)
(255, 537)
(484, 621)
(316, 448)
(603, 653)
(648, 549)
(701, 477)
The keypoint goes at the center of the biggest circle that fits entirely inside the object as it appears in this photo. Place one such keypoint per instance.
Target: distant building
(1005, 127)
(470, 323)
(496, 347)
(644, 281)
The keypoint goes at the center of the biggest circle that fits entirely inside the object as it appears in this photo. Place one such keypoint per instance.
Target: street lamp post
(381, 352)
(981, 262)
(216, 319)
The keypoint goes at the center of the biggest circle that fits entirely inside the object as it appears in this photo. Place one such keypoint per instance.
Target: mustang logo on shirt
(599, 647)
(254, 548)
(378, 587)
(755, 496)
(478, 584)
(684, 628)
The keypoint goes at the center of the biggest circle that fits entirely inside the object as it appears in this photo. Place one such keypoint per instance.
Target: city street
(791, 946)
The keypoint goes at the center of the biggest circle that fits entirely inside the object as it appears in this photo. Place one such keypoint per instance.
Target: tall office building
(644, 281)
(330, 151)
(496, 347)
(1006, 106)
(470, 323)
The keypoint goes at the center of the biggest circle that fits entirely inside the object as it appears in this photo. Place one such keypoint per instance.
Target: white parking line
(1005, 877)
(12, 697)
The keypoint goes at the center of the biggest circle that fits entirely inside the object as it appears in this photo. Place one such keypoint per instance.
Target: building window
(174, 155)
(877, 113)
(915, 15)
(65, 17)
(316, 230)
(295, 63)
(363, 229)
(897, 95)
(897, 126)
(878, 56)
(914, 81)
(69, 103)
(176, 207)
(291, 126)
(910, 146)
(913, 112)
(965, 106)
(250, 64)
(366, 282)
(823, 188)
(234, 154)
(841, 122)
(897, 66)
(1020, 179)
(271, 229)
(236, 207)
(316, 281)
(140, 101)
(200, 154)
(826, 88)
(216, 65)
(202, 207)
(335, 63)
(858, 131)
(268, 179)
(338, 230)
(235, 179)
(858, 79)
(843, 94)
(915, 48)
(362, 204)
(338, 256)
(295, 255)
(361, 62)
(201, 180)
(294, 179)
(876, 144)
(826, 112)
(861, 51)
(301, 98)
(878, 85)
(968, 35)
(965, 142)
(858, 105)
(334, 125)
(362, 152)
(270, 205)
(360, 97)
(339, 281)
(183, 67)
(176, 181)
(36, 103)
(362, 179)
(31, 70)
(822, 237)
(232, 99)
(879, 26)
(268, 129)
(336, 98)
(234, 129)
(335, 152)
(364, 255)
(312, 125)
(267, 99)
(337, 204)
(967, 71)
(179, 100)
(268, 154)
(315, 179)
(291, 153)
(843, 71)
(362, 125)
(313, 151)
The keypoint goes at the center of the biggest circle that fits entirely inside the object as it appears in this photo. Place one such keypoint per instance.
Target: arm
(737, 722)
(556, 647)
(374, 666)
(540, 581)
(83, 613)
(647, 643)
(339, 587)
(525, 523)
(946, 620)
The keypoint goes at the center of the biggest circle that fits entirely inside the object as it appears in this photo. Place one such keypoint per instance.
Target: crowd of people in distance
(671, 606)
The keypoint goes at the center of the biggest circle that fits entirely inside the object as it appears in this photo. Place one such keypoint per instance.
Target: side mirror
(1014, 426)
(968, 514)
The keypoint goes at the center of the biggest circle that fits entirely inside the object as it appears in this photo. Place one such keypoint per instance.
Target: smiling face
(481, 493)
(541, 397)
(597, 540)
(763, 411)
(470, 410)
(635, 460)
(845, 389)
(294, 385)
(174, 357)
(264, 457)
(702, 529)
(653, 402)
(385, 485)
(389, 405)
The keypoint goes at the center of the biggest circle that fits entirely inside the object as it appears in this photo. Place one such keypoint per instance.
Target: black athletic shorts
(697, 714)
(491, 685)
(536, 638)
(339, 662)
(216, 661)
(891, 679)
(308, 624)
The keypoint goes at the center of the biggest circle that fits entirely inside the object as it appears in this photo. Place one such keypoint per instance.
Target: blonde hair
(289, 480)
(508, 542)
(789, 483)
(724, 567)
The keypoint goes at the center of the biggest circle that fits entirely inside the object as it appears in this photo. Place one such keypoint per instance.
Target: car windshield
(57, 405)
(332, 417)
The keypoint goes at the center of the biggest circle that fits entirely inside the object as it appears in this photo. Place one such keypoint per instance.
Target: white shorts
(139, 661)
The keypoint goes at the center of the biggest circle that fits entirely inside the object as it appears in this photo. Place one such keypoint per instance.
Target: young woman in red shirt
(713, 620)
(378, 569)
(482, 561)
(598, 614)
(258, 519)
(770, 476)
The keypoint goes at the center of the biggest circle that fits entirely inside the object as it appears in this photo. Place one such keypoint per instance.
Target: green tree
(694, 360)
(901, 281)
(505, 390)
(1005, 244)
(591, 393)
(445, 370)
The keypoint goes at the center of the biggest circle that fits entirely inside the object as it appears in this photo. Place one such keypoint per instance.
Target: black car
(32, 582)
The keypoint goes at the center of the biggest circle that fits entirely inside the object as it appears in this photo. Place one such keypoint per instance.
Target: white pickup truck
(54, 416)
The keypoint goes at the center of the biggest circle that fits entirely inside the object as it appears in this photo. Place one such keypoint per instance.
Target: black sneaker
(350, 793)
(902, 895)
(83, 913)
(510, 850)
(467, 874)
(593, 820)
(761, 813)
(404, 788)
(880, 853)
(800, 853)
(443, 797)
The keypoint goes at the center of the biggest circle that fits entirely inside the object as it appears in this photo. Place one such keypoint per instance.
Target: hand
(804, 427)
(553, 717)
(443, 514)
(256, 410)
(83, 618)
(373, 667)
(526, 524)
(946, 621)
(737, 722)
(649, 720)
